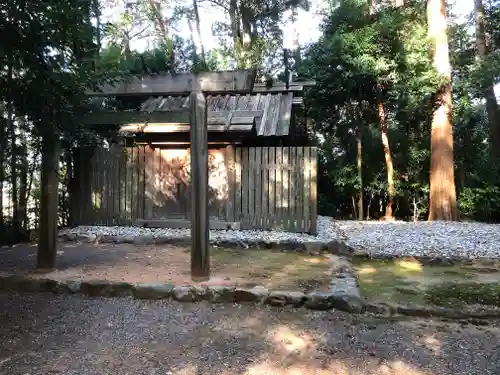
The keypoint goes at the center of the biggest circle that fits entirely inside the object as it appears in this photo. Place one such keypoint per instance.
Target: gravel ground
(74, 335)
(327, 231)
(443, 239)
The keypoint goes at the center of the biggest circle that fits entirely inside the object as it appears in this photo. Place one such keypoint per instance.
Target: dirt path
(166, 263)
(46, 334)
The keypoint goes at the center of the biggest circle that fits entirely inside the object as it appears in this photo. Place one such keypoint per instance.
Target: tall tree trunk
(97, 14)
(49, 181)
(388, 160)
(193, 40)
(234, 20)
(489, 93)
(23, 185)
(442, 197)
(359, 165)
(11, 124)
(3, 139)
(296, 37)
(31, 175)
(13, 181)
(198, 31)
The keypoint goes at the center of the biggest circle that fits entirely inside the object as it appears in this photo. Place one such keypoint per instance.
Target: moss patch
(408, 281)
(272, 269)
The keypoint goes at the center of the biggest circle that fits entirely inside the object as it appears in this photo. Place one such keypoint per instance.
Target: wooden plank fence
(270, 188)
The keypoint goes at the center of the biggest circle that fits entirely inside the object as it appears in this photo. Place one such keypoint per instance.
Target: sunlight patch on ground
(410, 265)
(289, 341)
(366, 270)
(431, 343)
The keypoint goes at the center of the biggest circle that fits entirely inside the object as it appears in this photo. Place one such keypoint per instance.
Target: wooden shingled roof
(272, 111)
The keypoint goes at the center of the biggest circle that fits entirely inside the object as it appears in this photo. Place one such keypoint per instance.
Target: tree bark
(359, 165)
(198, 31)
(23, 186)
(442, 197)
(13, 179)
(13, 158)
(2, 170)
(489, 93)
(49, 182)
(388, 161)
(296, 37)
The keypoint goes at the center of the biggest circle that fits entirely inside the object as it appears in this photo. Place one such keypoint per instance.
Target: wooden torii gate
(197, 87)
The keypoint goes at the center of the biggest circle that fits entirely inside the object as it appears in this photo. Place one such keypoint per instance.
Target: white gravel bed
(434, 239)
(327, 231)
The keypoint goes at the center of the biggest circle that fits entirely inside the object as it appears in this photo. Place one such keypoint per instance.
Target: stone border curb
(431, 311)
(310, 247)
(222, 294)
(181, 293)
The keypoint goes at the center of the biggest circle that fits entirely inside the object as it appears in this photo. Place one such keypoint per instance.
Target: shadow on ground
(75, 335)
(97, 261)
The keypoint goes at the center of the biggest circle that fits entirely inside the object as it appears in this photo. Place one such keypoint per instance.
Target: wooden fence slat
(264, 167)
(245, 187)
(237, 188)
(115, 183)
(307, 187)
(136, 184)
(118, 184)
(313, 199)
(149, 167)
(157, 209)
(251, 185)
(299, 193)
(286, 188)
(230, 172)
(140, 183)
(124, 163)
(129, 181)
(291, 190)
(105, 187)
(272, 187)
(94, 186)
(278, 187)
(98, 187)
(257, 222)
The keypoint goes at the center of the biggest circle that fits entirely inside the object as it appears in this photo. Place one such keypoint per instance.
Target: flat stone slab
(283, 298)
(153, 290)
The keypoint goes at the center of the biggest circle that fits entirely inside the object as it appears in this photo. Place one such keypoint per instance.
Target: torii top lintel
(225, 82)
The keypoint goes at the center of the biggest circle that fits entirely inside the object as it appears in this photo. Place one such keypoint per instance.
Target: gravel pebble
(76, 335)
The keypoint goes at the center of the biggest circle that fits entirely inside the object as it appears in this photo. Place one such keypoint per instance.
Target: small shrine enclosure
(261, 171)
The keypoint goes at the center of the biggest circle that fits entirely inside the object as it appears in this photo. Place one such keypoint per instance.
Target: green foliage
(362, 60)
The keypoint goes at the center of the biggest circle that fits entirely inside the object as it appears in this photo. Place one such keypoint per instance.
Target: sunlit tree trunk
(388, 160)
(489, 93)
(442, 197)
